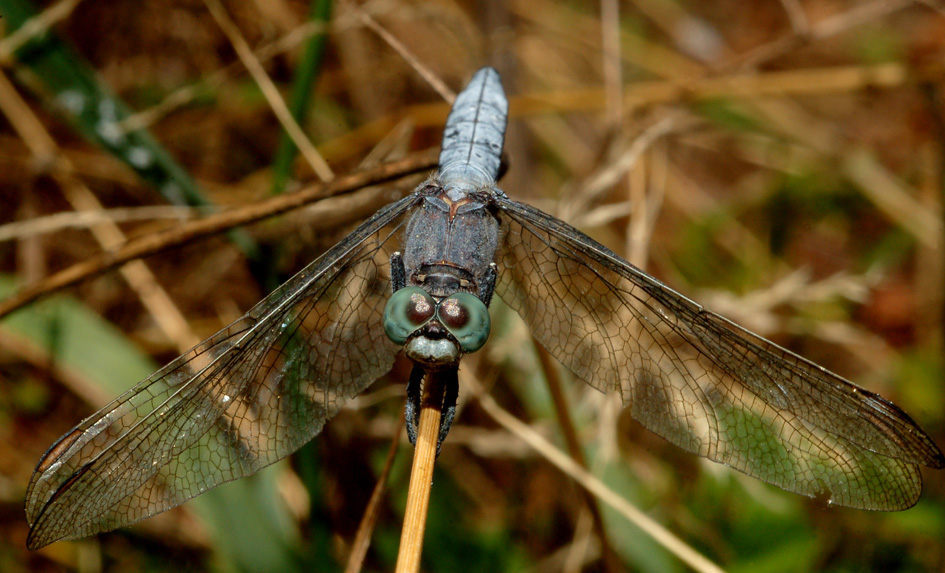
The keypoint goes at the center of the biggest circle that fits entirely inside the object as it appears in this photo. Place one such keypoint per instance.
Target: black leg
(398, 274)
(487, 288)
(450, 380)
(448, 411)
(412, 410)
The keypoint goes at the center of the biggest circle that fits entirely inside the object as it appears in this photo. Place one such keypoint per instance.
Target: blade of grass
(89, 354)
(299, 102)
(267, 536)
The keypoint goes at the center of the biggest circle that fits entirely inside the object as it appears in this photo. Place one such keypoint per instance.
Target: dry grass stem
(36, 26)
(270, 91)
(158, 242)
(799, 22)
(613, 78)
(421, 477)
(57, 222)
(804, 32)
(857, 16)
(594, 485)
(362, 539)
(425, 72)
(152, 295)
(892, 196)
(566, 423)
(186, 94)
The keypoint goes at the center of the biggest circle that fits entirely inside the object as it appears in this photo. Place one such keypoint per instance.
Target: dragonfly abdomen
(474, 135)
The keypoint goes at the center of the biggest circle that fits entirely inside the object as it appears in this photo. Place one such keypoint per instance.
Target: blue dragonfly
(418, 277)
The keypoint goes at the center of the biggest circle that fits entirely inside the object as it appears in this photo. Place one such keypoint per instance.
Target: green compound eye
(467, 319)
(406, 311)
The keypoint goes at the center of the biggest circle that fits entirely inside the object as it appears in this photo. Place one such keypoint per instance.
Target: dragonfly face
(449, 248)
(418, 277)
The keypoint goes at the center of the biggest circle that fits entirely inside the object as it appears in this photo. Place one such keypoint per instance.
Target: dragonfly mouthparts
(433, 352)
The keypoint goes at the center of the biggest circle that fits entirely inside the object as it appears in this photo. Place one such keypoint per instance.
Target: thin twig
(362, 539)
(214, 224)
(57, 222)
(421, 476)
(269, 90)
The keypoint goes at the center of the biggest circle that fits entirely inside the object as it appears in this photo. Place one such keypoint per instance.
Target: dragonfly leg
(450, 380)
(412, 409)
(398, 274)
(448, 412)
(487, 288)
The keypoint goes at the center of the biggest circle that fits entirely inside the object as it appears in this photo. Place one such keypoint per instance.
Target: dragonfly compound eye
(406, 311)
(467, 319)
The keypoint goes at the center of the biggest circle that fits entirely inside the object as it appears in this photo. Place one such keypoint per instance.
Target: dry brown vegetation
(781, 162)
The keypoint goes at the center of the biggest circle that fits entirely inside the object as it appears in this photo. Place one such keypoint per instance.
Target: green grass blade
(305, 75)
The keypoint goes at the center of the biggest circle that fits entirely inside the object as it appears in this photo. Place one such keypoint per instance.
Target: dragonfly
(418, 277)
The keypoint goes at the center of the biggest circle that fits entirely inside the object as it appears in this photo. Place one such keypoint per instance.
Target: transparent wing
(702, 382)
(248, 396)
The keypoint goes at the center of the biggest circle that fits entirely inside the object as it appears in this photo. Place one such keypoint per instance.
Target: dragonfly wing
(701, 381)
(246, 397)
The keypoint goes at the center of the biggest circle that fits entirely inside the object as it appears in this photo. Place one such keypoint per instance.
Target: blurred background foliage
(779, 161)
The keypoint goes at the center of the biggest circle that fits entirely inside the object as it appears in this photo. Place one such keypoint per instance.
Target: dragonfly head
(436, 333)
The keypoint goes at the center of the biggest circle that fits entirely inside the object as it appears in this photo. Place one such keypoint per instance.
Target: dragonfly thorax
(450, 246)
